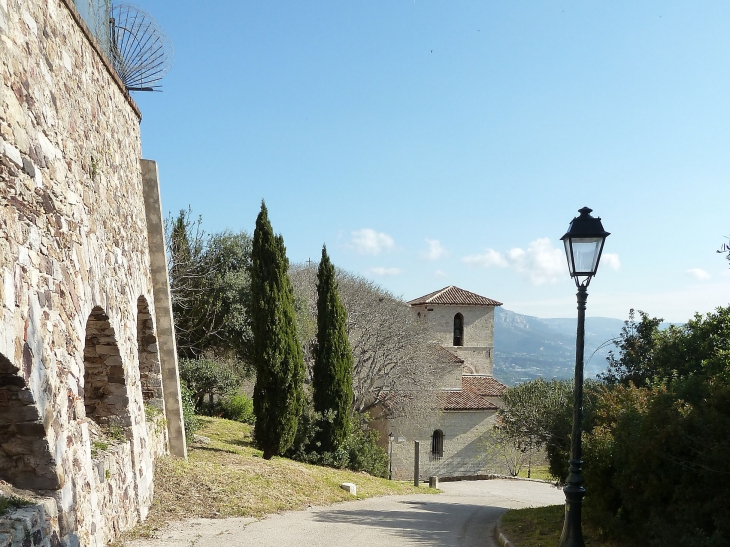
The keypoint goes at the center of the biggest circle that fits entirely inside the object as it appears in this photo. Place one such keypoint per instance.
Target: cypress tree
(277, 356)
(332, 371)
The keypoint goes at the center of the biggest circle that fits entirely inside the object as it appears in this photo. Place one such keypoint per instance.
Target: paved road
(464, 515)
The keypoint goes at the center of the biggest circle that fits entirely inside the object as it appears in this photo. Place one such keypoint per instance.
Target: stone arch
(458, 330)
(105, 388)
(150, 372)
(25, 457)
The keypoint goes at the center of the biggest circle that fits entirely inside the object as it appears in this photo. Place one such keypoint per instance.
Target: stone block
(15, 414)
(13, 153)
(349, 487)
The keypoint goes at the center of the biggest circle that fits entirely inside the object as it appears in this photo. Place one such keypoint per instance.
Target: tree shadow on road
(425, 522)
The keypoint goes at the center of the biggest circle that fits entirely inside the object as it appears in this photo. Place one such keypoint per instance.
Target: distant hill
(527, 347)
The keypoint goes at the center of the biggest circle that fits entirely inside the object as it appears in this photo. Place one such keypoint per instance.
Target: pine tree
(180, 254)
(332, 371)
(183, 283)
(277, 356)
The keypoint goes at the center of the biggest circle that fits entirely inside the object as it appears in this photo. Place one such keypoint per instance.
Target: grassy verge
(537, 472)
(541, 527)
(227, 477)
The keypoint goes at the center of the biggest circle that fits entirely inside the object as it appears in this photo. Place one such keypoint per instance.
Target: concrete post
(416, 463)
(163, 310)
(433, 482)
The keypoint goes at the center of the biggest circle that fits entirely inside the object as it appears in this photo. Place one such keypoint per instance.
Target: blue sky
(438, 143)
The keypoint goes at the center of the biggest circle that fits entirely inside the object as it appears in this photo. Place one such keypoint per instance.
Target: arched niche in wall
(105, 389)
(150, 373)
(25, 457)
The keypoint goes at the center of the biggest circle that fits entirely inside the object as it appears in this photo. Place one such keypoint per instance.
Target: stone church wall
(465, 450)
(78, 353)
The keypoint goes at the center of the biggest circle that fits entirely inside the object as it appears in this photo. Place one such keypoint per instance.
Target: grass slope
(542, 526)
(228, 477)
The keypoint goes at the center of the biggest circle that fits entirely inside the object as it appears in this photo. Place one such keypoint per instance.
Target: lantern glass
(586, 253)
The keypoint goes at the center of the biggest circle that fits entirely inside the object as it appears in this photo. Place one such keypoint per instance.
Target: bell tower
(463, 323)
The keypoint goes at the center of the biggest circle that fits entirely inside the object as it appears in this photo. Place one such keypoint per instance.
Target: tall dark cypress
(277, 355)
(332, 372)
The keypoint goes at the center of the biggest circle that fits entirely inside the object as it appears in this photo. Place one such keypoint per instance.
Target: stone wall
(37, 525)
(465, 445)
(477, 350)
(32, 526)
(77, 301)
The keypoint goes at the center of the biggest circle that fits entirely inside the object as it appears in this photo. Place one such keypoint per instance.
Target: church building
(453, 441)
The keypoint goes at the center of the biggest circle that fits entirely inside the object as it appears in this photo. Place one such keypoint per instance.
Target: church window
(458, 330)
(437, 445)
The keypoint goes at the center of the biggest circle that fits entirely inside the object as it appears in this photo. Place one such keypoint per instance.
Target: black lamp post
(583, 247)
(390, 458)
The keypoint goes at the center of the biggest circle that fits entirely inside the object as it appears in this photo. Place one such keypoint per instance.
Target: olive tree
(210, 288)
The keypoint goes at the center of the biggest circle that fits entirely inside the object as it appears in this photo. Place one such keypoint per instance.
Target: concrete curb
(493, 477)
(501, 538)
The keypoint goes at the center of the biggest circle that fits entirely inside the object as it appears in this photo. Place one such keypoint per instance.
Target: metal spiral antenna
(141, 53)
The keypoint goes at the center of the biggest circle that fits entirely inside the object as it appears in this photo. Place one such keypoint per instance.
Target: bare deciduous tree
(507, 454)
(396, 365)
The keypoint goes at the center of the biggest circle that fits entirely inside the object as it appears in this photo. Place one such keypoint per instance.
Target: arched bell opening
(458, 330)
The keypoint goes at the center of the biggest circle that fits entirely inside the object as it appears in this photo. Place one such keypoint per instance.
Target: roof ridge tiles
(453, 295)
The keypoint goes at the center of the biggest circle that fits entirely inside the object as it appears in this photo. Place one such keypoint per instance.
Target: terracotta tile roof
(464, 400)
(487, 386)
(452, 295)
(447, 356)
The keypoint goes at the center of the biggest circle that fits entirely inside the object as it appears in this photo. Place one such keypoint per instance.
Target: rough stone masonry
(89, 393)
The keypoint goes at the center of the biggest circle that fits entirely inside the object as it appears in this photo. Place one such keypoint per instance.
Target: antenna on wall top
(141, 53)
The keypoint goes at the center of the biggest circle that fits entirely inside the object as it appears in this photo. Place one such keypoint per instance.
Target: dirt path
(464, 515)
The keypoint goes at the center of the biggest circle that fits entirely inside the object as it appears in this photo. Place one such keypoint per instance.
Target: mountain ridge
(528, 347)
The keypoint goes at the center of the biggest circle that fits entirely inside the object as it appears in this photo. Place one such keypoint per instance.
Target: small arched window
(458, 330)
(437, 445)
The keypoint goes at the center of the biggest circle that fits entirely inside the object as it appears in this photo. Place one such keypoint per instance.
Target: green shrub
(98, 446)
(207, 379)
(657, 454)
(239, 407)
(358, 452)
(190, 420)
(363, 452)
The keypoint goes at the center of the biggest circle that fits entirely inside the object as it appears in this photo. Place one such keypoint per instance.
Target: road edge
(501, 538)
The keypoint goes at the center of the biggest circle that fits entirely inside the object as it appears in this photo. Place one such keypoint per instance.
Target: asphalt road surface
(464, 515)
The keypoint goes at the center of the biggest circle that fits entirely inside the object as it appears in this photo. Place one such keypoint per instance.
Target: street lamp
(390, 459)
(583, 247)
